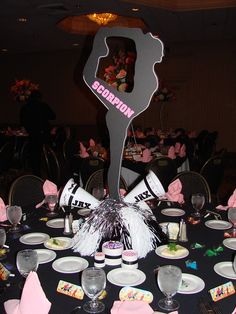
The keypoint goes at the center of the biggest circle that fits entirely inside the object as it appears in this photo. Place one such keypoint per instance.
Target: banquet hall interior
(187, 129)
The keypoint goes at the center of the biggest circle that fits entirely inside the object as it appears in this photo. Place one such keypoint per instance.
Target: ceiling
(172, 20)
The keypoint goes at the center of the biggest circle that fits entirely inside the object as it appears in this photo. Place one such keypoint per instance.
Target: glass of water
(169, 280)
(14, 214)
(26, 261)
(93, 283)
(51, 200)
(198, 201)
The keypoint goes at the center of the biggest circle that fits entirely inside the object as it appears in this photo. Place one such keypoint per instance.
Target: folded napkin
(171, 152)
(147, 155)
(182, 151)
(234, 311)
(231, 202)
(177, 147)
(173, 194)
(127, 307)
(91, 142)
(33, 299)
(3, 212)
(49, 188)
(83, 151)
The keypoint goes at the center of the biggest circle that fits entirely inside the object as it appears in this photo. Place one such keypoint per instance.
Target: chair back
(192, 183)
(70, 148)
(164, 168)
(26, 191)
(99, 180)
(88, 166)
(6, 156)
(213, 172)
(51, 165)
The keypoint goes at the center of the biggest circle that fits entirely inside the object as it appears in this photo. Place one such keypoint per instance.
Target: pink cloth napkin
(3, 212)
(171, 152)
(173, 194)
(92, 142)
(177, 147)
(49, 188)
(147, 155)
(33, 299)
(182, 152)
(122, 192)
(231, 202)
(127, 307)
(234, 311)
(83, 151)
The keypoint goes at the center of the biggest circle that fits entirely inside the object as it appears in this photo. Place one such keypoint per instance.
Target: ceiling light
(22, 19)
(135, 9)
(75, 44)
(102, 18)
(4, 49)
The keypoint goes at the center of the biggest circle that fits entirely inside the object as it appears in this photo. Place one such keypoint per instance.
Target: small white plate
(70, 264)
(225, 269)
(55, 223)
(163, 251)
(84, 212)
(34, 238)
(191, 284)
(66, 241)
(126, 277)
(173, 212)
(218, 224)
(230, 243)
(45, 255)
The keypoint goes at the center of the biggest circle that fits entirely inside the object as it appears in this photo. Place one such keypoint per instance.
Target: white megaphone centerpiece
(74, 196)
(150, 187)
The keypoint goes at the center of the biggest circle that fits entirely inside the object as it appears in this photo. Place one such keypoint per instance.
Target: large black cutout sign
(123, 107)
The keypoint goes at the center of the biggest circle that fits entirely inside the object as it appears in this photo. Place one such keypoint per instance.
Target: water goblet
(169, 280)
(232, 219)
(198, 201)
(51, 200)
(14, 214)
(98, 193)
(234, 264)
(2, 243)
(26, 261)
(93, 283)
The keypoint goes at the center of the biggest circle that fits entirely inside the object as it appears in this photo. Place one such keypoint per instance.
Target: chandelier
(102, 18)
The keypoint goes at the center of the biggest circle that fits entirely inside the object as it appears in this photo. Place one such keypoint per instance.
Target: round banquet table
(62, 304)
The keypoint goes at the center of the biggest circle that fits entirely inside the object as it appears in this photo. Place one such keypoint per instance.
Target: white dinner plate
(218, 224)
(45, 255)
(191, 284)
(84, 212)
(173, 212)
(126, 277)
(70, 264)
(55, 223)
(67, 244)
(163, 251)
(225, 269)
(34, 238)
(230, 243)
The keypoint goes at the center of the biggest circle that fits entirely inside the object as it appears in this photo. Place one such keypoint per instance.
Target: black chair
(88, 166)
(164, 168)
(192, 183)
(213, 172)
(50, 165)
(70, 148)
(26, 191)
(99, 180)
(6, 156)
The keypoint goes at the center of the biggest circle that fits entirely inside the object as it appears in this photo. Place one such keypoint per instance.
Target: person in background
(34, 117)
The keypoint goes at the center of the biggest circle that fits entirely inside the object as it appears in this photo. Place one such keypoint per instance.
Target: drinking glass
(2, 237)
(51, 200)
(169, 280)
(14, 214)
(232, 219)
(93, 283)
(98, 193)
(26, 261)
(234, 263)
(198, 201)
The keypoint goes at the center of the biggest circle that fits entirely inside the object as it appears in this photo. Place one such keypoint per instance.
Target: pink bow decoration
(147, 155)
(177, 147)
(127, 307)
(231, 202)
(33, 299)
(234, 311)
(3, 211)
(173, 194)
(182, 152)
(83, 151)
(171, 152)
(92, 142)
(49, 188)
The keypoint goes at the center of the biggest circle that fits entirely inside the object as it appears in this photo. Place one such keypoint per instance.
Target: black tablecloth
(62, 304)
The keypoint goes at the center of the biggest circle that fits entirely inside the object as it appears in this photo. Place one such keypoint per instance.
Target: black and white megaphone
(75, 196)
(150, 187)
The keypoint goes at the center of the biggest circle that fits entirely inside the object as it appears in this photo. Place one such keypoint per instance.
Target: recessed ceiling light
(22, 19)
(135, 9)
(75, 44)
(4, 49)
